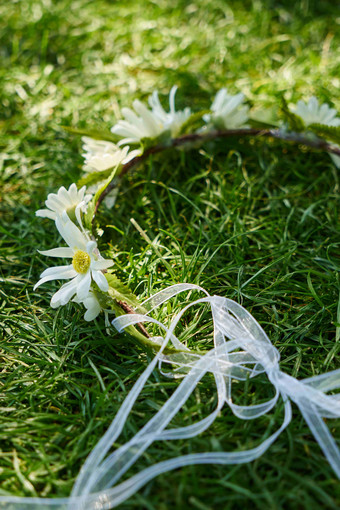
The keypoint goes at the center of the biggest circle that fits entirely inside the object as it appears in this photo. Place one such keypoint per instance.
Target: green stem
(142, 337)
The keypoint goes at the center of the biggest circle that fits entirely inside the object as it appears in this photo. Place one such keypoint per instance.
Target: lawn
(255, 220)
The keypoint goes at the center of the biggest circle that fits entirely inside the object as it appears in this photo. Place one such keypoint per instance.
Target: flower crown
(241, 348)
(150, 130)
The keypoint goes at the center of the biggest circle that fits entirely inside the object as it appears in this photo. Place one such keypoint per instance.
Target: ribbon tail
(98, 453)
(324, 382)
(321, 434)
(112, 497)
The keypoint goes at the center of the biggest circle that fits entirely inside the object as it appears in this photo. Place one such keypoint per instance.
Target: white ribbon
(241, 350)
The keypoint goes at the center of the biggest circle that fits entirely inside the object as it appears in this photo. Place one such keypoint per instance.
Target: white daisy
(87, 264)
(91, 304)
(227, 111)
(145, 123)
(101, 155)
(313, 113)
(171, 120)
(71, 201)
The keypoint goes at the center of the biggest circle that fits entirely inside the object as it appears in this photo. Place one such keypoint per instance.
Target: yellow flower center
(81, 261)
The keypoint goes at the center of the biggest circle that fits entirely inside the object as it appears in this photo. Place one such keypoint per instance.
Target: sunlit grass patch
(255, 221)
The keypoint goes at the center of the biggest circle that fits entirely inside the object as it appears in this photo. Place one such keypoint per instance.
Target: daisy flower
(144, 123)
(171, 120)
(71, 201)
(315, 113)
(227, 111)
(101, 155)
(87, 264)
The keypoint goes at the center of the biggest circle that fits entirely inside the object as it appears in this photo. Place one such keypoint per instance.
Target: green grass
(254, 221)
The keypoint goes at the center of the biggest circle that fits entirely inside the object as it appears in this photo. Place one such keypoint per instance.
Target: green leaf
(105, 184)
(96, 134)
(88, 218)
(94, 177)
(295, 122)
(330, 133)
(121, 292)
(193, 122)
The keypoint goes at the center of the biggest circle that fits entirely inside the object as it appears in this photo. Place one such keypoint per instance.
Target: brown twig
(128, 309)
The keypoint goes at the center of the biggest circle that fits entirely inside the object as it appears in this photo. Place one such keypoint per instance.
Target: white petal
(335, 122)
(70, 233)
(99, 265)
(100, 280)
(313, 105)
(78, 210)
(84, 286)
(135, 128)
(58, 270)
(124, 141)
(123, 128)
(219, 99)
(335, 159)
(64, 196)
(100, 163)
(172, 98)
(157, 108)
(55, 276)
(131, 155)
(58, 252)
(55, 273)
(64, 294)
(74, 193)
(93, 308)
(91, 246)
(54, 203)
(130, 115)
(92, 313)
(45, 213)
(152, 128)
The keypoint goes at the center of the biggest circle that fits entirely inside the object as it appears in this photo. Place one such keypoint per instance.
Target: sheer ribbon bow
(241, 350)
